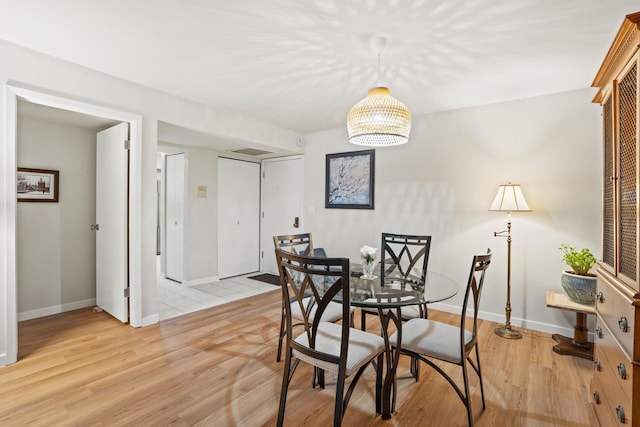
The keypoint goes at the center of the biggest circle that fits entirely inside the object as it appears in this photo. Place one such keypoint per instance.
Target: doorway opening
(8, 278)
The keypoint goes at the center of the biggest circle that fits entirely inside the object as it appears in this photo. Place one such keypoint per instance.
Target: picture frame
(37, 185)
(349, 180)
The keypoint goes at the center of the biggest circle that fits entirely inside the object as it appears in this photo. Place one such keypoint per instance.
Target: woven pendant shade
(379, 120)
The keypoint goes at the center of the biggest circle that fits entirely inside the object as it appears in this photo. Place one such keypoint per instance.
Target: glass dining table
(388, 294)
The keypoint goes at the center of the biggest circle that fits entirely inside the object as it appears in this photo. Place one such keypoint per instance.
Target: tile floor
(174, 299)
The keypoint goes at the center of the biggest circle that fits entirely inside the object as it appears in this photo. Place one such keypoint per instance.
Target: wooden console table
(579, 345)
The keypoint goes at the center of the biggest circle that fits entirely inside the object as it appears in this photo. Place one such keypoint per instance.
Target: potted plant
(579, 283)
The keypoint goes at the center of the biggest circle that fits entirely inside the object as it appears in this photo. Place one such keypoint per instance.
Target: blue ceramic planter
(580, 289)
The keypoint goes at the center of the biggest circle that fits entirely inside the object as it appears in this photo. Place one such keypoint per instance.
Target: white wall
(442, 183)
(26, 68)
(201, 216)
(55, 246)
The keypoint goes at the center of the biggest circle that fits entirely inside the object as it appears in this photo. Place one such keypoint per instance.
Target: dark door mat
(271, 279)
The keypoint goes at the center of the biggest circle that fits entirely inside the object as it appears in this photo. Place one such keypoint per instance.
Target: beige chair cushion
(363, 346)
(332, 313)
(432, 339)
(408, 312)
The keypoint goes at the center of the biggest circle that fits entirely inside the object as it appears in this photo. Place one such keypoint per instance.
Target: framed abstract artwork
(349, 181)
(37, 185)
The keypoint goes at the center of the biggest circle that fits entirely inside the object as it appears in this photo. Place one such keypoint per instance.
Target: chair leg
(285, 387)
(415, 363)
(281, 337)
(339, 407)
(379, 363)
(480, 377)
(363, 320)
(415, 368)
(318, 378)
(465, 377)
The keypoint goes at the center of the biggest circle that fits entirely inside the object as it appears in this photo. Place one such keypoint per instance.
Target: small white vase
(368, 267)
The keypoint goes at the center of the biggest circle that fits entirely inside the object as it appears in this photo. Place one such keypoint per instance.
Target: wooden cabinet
(616, 381)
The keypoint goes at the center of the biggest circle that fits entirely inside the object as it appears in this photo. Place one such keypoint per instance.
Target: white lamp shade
(509, 199)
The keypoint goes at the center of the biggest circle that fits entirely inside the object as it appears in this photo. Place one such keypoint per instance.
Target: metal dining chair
(428, 340)
(404, 256)
(302, 244)
(327, 346)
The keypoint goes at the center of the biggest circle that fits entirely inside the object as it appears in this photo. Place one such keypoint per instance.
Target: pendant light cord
(378, 69)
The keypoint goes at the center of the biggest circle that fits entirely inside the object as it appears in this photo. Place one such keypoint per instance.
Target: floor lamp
(509, 199)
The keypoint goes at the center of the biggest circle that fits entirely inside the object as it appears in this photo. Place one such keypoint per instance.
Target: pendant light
(379, 120)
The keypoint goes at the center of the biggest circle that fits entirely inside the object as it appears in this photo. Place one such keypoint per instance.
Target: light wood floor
(217, 367)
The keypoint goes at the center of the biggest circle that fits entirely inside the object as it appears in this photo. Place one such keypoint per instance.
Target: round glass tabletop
(396, 291)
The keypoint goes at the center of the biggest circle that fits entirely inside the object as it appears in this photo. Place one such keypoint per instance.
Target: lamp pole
(506, 331)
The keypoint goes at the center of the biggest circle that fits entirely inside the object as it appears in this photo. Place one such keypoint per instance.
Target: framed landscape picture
(349, 181)
(37, 185)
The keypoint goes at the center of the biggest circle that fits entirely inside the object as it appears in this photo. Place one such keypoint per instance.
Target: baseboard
(201, 281)
(515, 321)
(150, 320)
(55, 309)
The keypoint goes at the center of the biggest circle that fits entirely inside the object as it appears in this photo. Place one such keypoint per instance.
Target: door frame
(8, 206)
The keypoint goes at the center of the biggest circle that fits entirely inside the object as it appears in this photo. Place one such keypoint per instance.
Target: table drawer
(608, 351)
(606, 415)
(617, 312)
(610, 390)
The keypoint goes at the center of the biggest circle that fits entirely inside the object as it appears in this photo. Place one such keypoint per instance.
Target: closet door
(174, 216)
(238, 217)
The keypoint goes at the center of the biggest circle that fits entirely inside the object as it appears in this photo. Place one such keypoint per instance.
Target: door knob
(95, 227)
(296, 222)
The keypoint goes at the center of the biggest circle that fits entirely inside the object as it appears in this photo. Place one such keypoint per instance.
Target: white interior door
(238, 217)
(112, 171)
(282, 186)
(174, 215)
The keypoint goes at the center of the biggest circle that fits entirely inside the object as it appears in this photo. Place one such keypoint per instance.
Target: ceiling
(302, 64)
(63, 117)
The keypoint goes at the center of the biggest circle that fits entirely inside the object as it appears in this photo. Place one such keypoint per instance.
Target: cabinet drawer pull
(596, 397)
(622, 371)
(623, 324)
(599, 332)
(620, 414)
(600, 297)
(598, 365)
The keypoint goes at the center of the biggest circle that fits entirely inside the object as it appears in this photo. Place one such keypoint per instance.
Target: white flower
(368, 253)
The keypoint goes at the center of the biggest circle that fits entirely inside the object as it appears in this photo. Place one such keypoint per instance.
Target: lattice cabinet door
(627, 182)
(609, 188)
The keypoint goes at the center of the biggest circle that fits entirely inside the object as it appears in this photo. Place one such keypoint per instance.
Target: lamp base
(507, 332)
